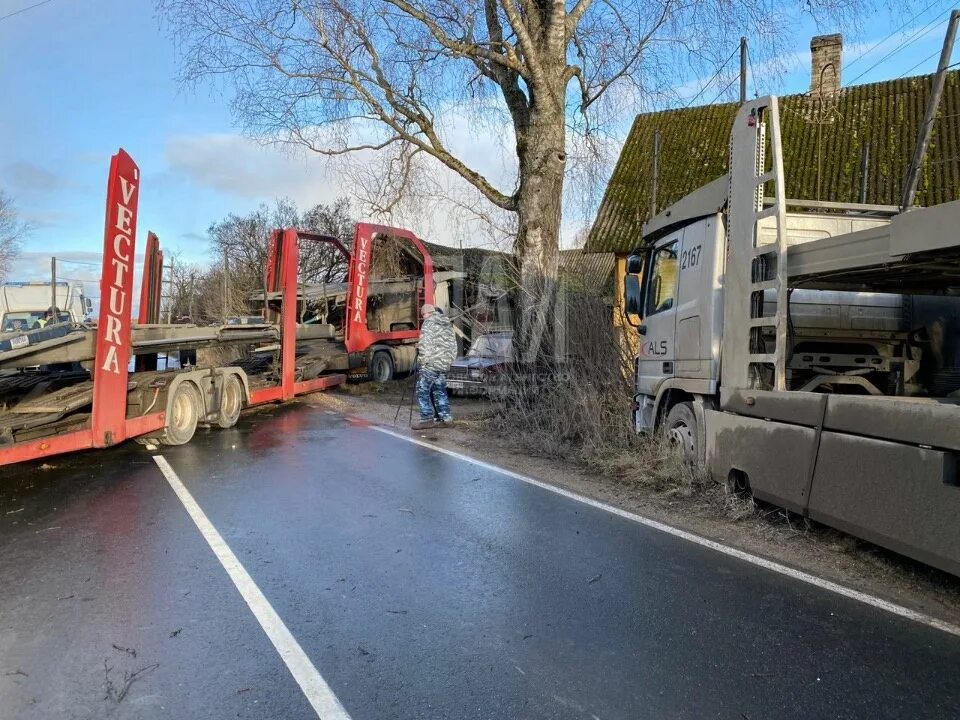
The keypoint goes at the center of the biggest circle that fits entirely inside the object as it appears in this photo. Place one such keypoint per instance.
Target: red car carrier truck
(70, 386)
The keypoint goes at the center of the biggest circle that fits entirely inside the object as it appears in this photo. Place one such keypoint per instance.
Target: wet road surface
(419, 586)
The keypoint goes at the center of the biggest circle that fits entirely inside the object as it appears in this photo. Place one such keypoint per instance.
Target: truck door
(655, 360)
(692, 297)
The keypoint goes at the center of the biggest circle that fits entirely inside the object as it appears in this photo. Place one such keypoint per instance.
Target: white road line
(318, 692)
(771, 565)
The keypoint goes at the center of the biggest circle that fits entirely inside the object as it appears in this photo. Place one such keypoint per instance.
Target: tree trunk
(541, 150)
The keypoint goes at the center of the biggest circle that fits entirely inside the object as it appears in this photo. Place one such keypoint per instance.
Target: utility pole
(170, 291)
(226, 285)
(655, 175)
(743, 70)
(53, 287)
(926, 127)
(190, 301)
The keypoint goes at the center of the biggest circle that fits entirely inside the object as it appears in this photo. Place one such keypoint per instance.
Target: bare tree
(190, 290)
(323, 263)
(394, 76)
(243, 241)
(12, 230)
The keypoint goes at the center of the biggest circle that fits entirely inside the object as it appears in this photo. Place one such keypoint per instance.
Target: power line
(23, 10)
(710, 81)
(78, 262)
(728, 86)
(884, 39)
(929, 57)
(930, 26)
(753, 74)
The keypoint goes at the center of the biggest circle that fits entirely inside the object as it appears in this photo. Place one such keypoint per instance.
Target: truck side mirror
(632, 300)
(635, 264)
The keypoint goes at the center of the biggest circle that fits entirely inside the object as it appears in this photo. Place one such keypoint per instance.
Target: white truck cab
(676, 285)
(24, 304)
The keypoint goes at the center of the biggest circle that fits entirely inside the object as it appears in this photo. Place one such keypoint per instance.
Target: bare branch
(573, 17)
(469, 50)
(12, 231)
(531, 52)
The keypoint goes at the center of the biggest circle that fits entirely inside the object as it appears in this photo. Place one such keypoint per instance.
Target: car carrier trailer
(70, 386)
(812, 357)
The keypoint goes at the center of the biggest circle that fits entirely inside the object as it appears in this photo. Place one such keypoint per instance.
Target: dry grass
(581, 411)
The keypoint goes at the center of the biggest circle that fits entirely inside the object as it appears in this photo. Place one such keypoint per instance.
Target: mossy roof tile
(827, 143)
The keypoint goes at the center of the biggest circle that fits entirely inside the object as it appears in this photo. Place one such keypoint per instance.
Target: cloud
(237, 166)
(48, 218)
(73, 265)
(27, 177)
(242, 168)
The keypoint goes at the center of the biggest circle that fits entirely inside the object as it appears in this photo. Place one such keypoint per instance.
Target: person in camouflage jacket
(436, 350)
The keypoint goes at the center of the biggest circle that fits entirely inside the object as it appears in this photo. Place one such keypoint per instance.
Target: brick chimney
(825, 56)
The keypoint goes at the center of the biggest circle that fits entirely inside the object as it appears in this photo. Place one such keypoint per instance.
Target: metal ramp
(77, 343)
(42, 400)
(752, 268)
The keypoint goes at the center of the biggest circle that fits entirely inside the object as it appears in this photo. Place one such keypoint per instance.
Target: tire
(231, 402)
(183, 416)
(381, 367)
(680, 427)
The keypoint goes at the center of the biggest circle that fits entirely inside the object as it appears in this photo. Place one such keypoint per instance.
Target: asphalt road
(419, 586)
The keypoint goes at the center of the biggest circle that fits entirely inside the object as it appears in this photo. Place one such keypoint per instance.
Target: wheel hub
(681, 436)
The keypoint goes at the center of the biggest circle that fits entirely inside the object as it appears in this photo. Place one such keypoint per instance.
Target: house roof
(694, 150)
(591, 272)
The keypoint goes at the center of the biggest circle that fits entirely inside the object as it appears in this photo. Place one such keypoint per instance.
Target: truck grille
(458, 373)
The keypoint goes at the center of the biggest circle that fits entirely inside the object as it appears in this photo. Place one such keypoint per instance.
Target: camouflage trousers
(432, 395)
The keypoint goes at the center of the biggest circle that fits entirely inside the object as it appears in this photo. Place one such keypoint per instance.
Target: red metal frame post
(356, 335)
(288, 312)
(108, 421)
(149, 310)
(273, 273)
(150, 283)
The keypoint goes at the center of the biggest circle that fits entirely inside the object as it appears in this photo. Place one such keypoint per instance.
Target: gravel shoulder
(769, 533)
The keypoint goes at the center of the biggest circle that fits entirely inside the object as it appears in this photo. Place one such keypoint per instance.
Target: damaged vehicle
(484, 364)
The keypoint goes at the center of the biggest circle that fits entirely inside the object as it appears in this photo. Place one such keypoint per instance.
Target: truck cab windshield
(19, 321)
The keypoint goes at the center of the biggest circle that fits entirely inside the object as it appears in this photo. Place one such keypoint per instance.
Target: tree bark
(542, 156)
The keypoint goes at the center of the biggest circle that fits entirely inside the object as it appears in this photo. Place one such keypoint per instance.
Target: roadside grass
(580, 410)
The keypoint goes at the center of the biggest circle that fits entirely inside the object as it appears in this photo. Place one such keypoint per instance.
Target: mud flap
(644, 413)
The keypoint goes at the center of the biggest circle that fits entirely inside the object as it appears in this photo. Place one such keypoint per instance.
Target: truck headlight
(476, 374)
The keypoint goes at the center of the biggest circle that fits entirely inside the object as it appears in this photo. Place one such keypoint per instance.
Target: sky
(80, 78)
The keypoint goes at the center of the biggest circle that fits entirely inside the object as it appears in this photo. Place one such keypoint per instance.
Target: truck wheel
(381, 367)
(681, 430)
(231, 402)
(183, 416)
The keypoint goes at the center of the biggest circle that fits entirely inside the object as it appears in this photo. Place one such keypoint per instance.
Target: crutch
(411, 387)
